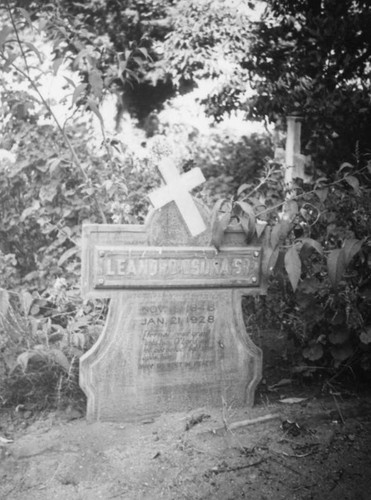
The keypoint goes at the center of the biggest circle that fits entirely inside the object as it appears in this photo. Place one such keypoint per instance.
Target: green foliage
(312, 58)
(57, 181)
(309, 58)
(318, 255)
(207, 40)
(42, 338)
(111, 44)
(228, 162)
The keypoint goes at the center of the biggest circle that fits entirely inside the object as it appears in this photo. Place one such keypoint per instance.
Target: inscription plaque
(169, 267)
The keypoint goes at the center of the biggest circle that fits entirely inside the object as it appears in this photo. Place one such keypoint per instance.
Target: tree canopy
(313, 58)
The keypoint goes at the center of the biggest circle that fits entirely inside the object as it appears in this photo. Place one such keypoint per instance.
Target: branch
(298, 196)
(26, 75)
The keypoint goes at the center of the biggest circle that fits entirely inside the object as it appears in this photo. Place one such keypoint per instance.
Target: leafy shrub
(227, 161)
(319, 260)
(42, 339)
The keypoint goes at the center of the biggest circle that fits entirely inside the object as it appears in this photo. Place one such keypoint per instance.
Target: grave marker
(295, 162)
(174, 338)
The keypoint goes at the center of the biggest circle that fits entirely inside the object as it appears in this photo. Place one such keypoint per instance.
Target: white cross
(177, 188)
(294, 161)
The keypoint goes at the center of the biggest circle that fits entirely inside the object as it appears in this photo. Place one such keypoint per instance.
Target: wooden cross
(295, 162)
(177, 188)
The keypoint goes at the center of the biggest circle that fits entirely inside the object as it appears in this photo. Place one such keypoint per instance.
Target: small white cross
(294, 161)
(177, 188)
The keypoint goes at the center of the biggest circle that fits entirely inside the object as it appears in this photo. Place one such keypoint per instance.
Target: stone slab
(171, 351)
(174, 338)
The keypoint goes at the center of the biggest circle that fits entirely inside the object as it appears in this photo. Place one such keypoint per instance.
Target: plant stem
(26, 75)
(298, 196)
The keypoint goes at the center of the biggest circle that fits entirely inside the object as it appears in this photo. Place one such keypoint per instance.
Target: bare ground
(319, 448)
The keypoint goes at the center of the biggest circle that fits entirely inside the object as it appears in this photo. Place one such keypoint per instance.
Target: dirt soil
(319, 448)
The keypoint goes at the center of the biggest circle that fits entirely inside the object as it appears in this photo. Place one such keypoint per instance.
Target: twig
(239, 467)
(298, 196)
(284, 464)
(338, 409)
(245, 423)
(293, 455)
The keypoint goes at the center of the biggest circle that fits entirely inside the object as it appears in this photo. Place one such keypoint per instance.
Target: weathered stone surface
(164, 227)
(174, 339)
(171, 351)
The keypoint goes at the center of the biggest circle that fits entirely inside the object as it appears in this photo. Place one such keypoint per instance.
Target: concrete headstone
(174, 338)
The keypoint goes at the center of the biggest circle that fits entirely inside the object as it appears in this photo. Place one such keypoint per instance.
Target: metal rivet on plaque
(256, 254)
(254, 279)
(101, 253)
(101, 281)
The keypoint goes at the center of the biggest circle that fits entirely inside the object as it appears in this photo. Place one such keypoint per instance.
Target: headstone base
(172, 351)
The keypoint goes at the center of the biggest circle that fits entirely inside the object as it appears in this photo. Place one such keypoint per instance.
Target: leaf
(353, 182)
(313, 243)
(30, 210)
(57, 64)
(342, 352)
(4, 440)
(273, 259)
(77, 92)
(293, 266)
(246, 208)
(96, 82)
(243, 188)
(144, 52)
(59, 357)
(24, 358)
(281, 383)
(48, 192)
(56, 337)
(321, 194)
(4, 302)
(78, 340)
(339, 337)
(279, 232)
(292, 401)
(320, 182)
(218, 229)
(290, 210)
(260, 226)
(53, 165)
(67, 254)
(26, 15)
(350, 248)
(26, 300)
(248, 226)
(314, 352)
(345, 166)
(94, 108)
(32, 47)
(336, 266)
(71, 82)
(9, 61)
(215, 224)
(365, 336)
(4, 33)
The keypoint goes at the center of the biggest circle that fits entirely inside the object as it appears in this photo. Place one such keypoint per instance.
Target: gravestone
(174, 338)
